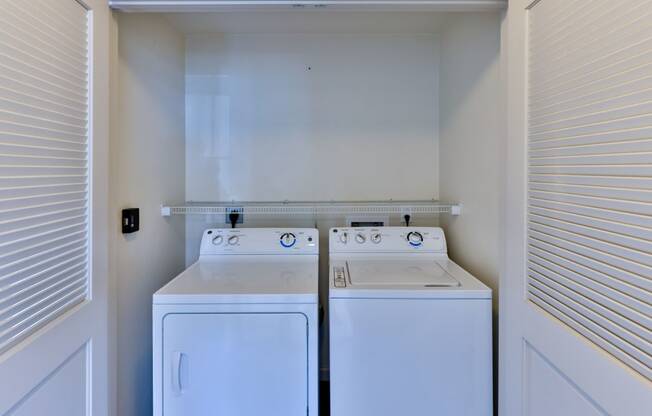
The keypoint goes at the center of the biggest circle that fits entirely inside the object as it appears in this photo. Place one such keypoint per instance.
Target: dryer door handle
(177, 362)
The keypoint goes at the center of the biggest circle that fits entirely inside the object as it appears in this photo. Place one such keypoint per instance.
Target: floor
(324, 402)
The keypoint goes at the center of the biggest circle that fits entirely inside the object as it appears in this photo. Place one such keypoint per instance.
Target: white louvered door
(576, 330)
(53, 262)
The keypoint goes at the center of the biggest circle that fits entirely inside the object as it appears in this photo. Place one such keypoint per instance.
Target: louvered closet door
(582, 315)
(43, 168)
(51, 321)
(590, 176)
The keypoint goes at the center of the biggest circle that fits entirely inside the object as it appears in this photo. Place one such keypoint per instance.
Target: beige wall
(472, 137)
(471, 142)
(472, 132)
(147, 168)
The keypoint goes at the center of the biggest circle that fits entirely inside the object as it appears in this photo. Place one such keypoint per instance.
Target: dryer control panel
(217, 241)
(387, 240)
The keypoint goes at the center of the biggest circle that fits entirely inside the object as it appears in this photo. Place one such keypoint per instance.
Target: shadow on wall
(472, 132)
(147, 167)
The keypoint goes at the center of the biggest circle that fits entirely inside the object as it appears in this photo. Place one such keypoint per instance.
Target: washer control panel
(387, 240)
(217, 241)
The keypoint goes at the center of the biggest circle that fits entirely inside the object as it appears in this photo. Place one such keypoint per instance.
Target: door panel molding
(582, 362)
(84, 385)
(535, 364)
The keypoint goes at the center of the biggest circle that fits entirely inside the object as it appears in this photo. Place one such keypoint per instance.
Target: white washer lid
(245, 279)
(362, 281)
(401, 272)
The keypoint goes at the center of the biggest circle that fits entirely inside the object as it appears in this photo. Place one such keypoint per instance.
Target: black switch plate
(130, 220)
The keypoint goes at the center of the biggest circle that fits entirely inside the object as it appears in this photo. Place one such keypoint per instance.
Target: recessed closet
(301, 117)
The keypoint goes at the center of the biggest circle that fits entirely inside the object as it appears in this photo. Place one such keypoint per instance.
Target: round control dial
(415, 238)
(217, 240)
(344, 238)
(288, 240)
(360, 238)
(233, 240)
(376, 238)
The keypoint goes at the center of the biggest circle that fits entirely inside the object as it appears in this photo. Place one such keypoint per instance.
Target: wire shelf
(313, 208)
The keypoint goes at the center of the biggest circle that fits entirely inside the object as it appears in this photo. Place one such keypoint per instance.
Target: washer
(410, 331)
(236, 332)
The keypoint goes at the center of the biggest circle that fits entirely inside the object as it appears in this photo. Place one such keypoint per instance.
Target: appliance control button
(217, 240)
(415, 238)
(233, 240)
(360, 238)
(344, 237)
(288, 240)
(338, 277)
(376, 238)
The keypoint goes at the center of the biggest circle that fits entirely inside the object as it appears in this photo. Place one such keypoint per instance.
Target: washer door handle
(177, 362)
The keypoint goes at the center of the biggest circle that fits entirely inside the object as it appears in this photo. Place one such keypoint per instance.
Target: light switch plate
(130, 220)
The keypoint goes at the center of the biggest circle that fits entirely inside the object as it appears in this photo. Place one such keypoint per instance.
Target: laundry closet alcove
(318, 115)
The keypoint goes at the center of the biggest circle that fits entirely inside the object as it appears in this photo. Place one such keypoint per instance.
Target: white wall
(471, 141)
(311, 117)
(147, 167)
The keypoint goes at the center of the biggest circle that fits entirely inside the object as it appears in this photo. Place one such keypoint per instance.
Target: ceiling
(326, 22)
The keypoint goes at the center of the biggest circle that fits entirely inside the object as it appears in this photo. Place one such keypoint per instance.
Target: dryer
(236, 332)
(410, 330)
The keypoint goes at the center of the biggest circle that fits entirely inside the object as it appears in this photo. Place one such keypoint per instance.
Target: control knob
(376, 238)
(344, 238)
(288, 240)
(415, 238)
(360, 238)
(233, 240)
(217, 240)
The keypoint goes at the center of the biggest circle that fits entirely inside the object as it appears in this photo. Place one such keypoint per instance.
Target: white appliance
(410, 331)
(236, 332)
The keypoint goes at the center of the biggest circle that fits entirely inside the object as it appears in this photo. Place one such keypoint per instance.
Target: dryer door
(245, 364)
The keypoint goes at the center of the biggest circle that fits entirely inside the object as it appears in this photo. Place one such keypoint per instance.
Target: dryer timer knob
(360, 238)
(233, 240)
(288, 240)
(217, 240)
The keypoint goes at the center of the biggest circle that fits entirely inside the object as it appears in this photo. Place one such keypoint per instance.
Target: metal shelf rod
(314, 208)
